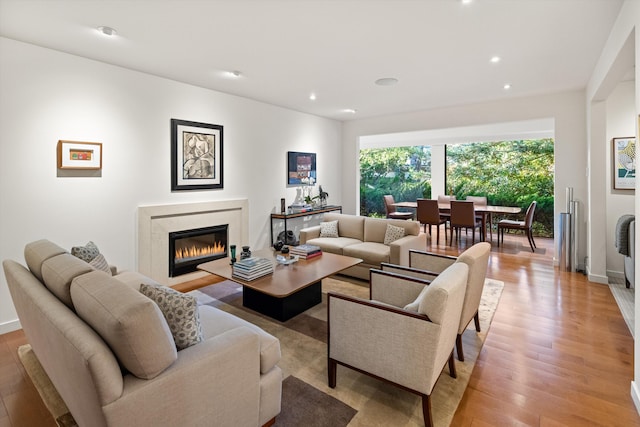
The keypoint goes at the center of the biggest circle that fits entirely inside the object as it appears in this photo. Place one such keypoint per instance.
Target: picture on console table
(301, 168)
(196, 156)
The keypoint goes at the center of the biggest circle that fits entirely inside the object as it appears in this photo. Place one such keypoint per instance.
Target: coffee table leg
(282, 309)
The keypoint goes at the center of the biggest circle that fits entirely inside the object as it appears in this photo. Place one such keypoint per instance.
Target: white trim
(596, 278)
(10, 326)
(635, 395)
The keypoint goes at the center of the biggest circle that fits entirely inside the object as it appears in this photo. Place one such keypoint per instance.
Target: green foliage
(509, 173)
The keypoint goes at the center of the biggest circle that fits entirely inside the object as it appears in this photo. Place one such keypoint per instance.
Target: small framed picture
(624, 163)
(301, 168)
(79, 155)
(196, 155)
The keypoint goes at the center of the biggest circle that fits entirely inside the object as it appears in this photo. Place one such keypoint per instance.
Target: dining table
(485, 210)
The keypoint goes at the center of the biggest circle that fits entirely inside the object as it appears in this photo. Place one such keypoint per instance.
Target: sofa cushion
(351, 226)
(134, 279)
(392, 234)
(370, 252)
(35, 253)
(214, 322)
(329, 229)
(333, 245)
(130, 323)
(432, 299)
(59, 271)
(179, 310)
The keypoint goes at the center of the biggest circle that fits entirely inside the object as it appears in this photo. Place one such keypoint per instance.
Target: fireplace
(188, 248)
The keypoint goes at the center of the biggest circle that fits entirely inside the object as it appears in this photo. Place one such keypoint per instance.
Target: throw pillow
(393, 233)
(100, 263)
(329, 229)
(86, 253)
(181, 312)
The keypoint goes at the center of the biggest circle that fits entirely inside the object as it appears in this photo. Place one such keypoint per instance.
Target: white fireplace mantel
(156, 222)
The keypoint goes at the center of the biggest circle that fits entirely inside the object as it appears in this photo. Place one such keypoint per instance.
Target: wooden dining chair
(445, 199)
(391, 210)
(526, 226)
(481, 201)
(463, 215)
(428, 213)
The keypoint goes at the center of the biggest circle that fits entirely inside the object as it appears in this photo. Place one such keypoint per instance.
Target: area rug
(357, 400)
(304, 356)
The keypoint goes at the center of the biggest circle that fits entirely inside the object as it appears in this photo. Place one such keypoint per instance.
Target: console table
(284, 217)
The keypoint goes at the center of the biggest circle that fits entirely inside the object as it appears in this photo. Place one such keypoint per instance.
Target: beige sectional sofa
(364, 237)
(111, 355)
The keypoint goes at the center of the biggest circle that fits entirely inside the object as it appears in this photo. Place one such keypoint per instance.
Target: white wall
(565, 109)
(46, 96)
(620, 110)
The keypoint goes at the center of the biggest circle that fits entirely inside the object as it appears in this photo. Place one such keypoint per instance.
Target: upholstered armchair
(428, 266)
(406, 319)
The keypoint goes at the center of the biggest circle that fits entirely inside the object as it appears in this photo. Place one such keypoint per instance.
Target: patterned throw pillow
(86, 253)
(100, 263)
(393, 233)
(329, 229)
(181, 312)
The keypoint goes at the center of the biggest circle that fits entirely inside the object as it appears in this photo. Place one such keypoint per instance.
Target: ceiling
(439, 50)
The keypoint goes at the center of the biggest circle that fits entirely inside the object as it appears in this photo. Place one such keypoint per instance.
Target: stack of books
(252, 268)
(306, 251)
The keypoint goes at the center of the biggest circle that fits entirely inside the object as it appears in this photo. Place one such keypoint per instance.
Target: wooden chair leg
(476, 320)
(438, 233)
(426, 410)
(332, 370)
(459, 348)
(452, 366)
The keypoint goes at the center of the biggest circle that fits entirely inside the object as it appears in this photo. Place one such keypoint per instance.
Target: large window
(509, 173)
(404, 172)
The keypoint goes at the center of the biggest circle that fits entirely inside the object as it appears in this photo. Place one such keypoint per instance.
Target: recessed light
(466, 1)
(386, 81)
(312, 96)
(507, 86)
(349, 110)
(235, 74)
(107, 31)
(495, 59)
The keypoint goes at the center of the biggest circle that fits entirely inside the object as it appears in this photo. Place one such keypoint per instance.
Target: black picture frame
(300, 166)
(196, 156)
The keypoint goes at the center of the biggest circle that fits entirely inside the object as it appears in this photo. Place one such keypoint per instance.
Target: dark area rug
(305, 405)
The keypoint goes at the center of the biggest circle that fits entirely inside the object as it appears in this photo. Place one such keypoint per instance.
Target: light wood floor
(558, 352)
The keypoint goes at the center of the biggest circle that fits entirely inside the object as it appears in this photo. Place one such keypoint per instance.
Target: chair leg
(426, 410)
(530, 238)
(332, 370)
(438, 233)
(476, 320)
(459, 348)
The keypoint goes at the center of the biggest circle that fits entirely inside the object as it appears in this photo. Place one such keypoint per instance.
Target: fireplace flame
(198, 252)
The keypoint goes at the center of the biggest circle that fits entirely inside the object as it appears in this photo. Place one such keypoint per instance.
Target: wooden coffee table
(291, 289)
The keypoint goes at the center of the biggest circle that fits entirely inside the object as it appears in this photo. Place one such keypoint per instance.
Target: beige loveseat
(363, 237)
(109, 351)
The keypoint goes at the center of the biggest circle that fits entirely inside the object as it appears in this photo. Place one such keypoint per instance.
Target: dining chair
(526, 226)
(428, 213)
(463, 215)
(391, 210)
(445, 199)
(482, 201)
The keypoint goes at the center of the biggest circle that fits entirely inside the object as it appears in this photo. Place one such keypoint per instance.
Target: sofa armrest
(395, 289)
(217, 379)
(399, 249)
(309, 233)
(409, 271)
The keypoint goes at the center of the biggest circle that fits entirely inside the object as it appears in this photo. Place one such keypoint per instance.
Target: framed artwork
(196, 156)
(624, 163)
(79, 155)
(300, 168)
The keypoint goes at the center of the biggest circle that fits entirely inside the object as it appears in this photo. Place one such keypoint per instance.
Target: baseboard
(596, 278)
(11, 326)
(635, 395)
